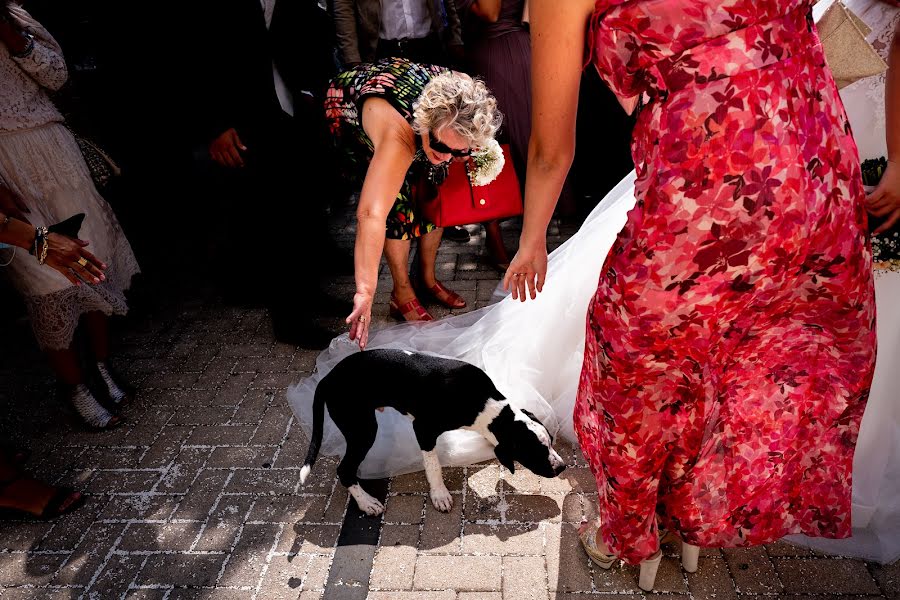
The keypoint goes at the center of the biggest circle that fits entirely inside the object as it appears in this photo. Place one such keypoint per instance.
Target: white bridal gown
(876, 465)
(533, 352)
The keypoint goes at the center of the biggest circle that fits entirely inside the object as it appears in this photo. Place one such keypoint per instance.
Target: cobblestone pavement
(199, 497)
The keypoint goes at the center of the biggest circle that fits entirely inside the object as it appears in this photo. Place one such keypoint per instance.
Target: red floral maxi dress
(730, 344)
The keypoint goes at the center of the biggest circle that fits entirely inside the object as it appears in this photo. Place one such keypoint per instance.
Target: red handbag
(458, 202)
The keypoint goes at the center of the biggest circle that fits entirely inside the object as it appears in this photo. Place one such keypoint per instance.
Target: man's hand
(226, 149)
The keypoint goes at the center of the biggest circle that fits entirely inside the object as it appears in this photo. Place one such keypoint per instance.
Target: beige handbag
(849, 55)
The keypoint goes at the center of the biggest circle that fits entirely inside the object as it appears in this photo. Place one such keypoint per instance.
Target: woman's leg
(495, 246)
(96, 325)
(397, 254)
(428, 249)
(65, 364)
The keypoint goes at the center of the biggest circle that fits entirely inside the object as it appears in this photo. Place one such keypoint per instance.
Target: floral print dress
(400, 82)
(730, 344)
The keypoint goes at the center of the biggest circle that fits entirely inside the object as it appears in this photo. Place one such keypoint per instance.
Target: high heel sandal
(119, 393)
(440, 294)
(92, 412)
(411, 311)
(587, 534)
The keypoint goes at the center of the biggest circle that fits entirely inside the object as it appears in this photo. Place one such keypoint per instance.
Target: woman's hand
(68, 256)
(885, 200)
(527, 269)
(361, 317)
(11, 204)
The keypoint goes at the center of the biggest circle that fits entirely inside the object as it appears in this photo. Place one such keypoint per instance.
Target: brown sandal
(411, 311)
(442, 295)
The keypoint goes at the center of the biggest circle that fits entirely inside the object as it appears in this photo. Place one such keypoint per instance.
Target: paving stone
(289, 509)
(712, 580)
(825, 576)
(181, 569)
(534, 508)
(264, 481)
(221, 435)
(241, 458)
(441, 531)
(105, 482)
(445, 595)
(156, 536)
(567, 565)
(461, 573)
(405, 509)
(248, 557)
(22, 536)
(90, 555)
(29, 569)
(752, 571)
(180, 476)
(524, 578)
(30, 593)
(393, 568)
(888, 578)
(308, 538)
(505, 540)
(202, 496)
(399, 535)
(284, 577)
(116, 576)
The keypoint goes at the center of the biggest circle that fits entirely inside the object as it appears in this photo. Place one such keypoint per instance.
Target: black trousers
(275, 228)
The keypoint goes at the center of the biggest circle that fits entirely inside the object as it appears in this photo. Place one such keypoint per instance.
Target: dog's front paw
(372, 507)
(366, 502)
(442, 499)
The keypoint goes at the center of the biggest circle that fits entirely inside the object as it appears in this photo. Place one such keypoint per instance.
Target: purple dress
(500, 53)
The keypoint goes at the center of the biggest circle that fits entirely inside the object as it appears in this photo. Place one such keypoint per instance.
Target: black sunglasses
(439, 146)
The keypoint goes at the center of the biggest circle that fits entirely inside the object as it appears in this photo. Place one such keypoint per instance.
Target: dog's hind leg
(440, 495)
(358, 446)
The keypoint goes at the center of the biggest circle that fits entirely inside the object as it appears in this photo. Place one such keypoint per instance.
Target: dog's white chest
(484, 419)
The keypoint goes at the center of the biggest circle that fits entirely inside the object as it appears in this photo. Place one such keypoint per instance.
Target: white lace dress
(533, 351)
(40, 161)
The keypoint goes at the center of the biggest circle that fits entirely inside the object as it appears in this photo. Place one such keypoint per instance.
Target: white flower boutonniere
(488, 163)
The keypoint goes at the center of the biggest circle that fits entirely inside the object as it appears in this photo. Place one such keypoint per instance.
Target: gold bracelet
(46, 247)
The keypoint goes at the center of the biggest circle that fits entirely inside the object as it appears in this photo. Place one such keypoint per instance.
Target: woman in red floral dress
(730, 344)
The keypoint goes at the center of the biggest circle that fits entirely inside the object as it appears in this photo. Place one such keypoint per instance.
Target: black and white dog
(438, 395)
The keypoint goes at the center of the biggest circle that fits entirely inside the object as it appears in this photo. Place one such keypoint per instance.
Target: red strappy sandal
(411, 311)
(442, 295)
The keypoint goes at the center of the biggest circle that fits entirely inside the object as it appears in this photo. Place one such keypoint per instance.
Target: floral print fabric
(400, 82)
(730, 344)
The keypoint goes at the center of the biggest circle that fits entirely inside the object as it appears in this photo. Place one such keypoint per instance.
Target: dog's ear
(503, 452)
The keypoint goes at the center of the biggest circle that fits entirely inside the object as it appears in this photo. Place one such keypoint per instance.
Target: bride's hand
(527, 269)
(361, 317)
(885, 200)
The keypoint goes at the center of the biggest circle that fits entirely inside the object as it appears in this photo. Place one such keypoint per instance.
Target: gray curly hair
(460, 102)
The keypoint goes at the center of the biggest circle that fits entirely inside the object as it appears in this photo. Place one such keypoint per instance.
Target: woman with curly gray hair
(399, 123)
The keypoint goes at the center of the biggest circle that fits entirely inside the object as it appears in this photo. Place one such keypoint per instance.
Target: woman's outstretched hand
(528, 269)
(361, 318)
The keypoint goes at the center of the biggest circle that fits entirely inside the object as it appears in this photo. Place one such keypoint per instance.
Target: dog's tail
(316, 439)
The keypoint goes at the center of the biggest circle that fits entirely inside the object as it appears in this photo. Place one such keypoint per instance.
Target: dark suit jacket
(357, 23)
(235, 86)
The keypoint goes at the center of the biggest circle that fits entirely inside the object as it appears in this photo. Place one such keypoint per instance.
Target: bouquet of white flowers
(488, 161)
